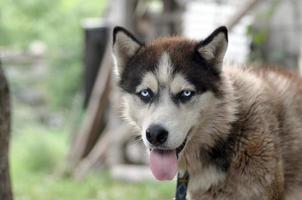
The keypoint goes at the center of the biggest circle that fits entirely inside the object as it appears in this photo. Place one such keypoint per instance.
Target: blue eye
(185, 95)
(146, 95)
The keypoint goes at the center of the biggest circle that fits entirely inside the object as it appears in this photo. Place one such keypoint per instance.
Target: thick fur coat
(236, 131)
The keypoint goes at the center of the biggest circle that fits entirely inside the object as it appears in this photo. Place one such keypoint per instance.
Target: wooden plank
(5, 128)
(95, 46)
(97, 106)
(98, 153)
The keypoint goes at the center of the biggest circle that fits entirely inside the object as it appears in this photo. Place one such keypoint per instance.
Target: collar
(182, 185)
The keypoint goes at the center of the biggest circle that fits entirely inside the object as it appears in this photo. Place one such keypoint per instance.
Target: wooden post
(5, 127)
(97, 106)
(300, 61)
(174, 18)
(95, 46)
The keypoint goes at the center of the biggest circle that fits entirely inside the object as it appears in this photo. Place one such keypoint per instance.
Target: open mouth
(163, 163)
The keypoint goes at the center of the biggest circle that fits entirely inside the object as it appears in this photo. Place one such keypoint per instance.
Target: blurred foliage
(258, 38)
(39, 150)
(57, 23)
(36, 159)
(259, 33)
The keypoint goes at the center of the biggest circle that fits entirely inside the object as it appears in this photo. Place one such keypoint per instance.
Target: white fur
(179, 83)
(208, 177)
(149, 81)
(164, 70)
(167, 114)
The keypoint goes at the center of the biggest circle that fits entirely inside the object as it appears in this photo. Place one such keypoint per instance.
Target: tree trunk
(5, 184)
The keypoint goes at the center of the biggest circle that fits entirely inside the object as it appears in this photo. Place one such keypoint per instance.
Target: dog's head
(169, 86)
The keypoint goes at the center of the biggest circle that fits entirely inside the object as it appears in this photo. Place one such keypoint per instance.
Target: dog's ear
(125, 45)
(213, 48)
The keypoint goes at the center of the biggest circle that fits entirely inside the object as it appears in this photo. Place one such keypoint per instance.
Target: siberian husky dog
(236, 131)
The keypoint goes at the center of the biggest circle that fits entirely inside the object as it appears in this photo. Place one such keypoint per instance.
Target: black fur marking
(209, 63)
(220, 155)
(135, 69)
(180, 99)
(203, 75)
(209, 39)
(121, 29)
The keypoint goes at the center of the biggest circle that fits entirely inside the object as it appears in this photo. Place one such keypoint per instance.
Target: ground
(37, 162)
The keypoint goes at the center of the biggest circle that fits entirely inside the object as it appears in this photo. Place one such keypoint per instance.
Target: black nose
(156, 135)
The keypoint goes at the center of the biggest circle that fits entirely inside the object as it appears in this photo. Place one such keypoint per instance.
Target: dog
(236, 131)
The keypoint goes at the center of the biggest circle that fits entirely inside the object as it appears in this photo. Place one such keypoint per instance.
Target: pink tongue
(163, 164)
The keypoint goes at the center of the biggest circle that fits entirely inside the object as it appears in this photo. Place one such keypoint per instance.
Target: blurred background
(67, 139)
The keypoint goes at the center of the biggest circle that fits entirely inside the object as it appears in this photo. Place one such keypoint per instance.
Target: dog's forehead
(165, 58)
(178, 49)
(169, 55)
